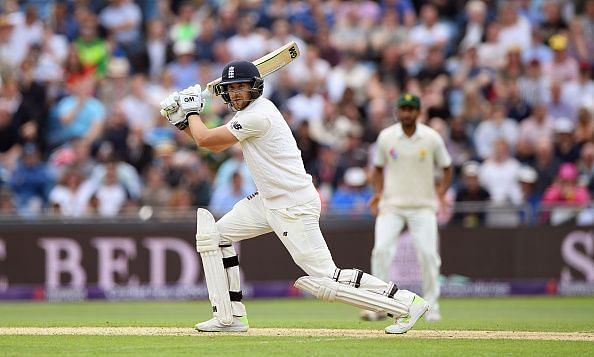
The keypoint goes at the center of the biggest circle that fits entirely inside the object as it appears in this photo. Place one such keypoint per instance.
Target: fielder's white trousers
(422, 225)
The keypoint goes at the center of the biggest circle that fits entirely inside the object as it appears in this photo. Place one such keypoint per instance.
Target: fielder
(286, 202)
(404, 183)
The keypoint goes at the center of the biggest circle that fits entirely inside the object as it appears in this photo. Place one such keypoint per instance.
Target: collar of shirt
(401, 135)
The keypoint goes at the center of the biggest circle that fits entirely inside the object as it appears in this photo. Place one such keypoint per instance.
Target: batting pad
(207, 244)
(329, 290)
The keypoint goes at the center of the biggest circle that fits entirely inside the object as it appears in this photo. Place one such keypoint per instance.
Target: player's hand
(191, 101)
(170, 110)
(374, 204)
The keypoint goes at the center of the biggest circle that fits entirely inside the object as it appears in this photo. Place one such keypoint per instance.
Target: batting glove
(170, 110)
(191, 101)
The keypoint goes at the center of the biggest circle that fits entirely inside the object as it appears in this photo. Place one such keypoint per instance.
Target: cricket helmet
(240, 72)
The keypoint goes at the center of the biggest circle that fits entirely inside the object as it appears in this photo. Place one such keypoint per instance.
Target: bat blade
(266, 65)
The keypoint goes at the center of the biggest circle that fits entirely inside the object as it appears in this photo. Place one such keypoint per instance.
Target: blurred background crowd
(508, 84)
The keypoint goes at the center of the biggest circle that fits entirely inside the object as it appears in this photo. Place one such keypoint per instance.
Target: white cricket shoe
(368, 315)
(240, 324)
(418, 307)
(432, 316)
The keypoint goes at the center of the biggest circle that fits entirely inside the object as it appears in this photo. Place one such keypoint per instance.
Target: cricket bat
(266, 65)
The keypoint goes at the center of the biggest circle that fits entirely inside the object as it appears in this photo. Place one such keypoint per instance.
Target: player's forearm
(205, 137)
(377, 180)
(445, 181)
(198, 130)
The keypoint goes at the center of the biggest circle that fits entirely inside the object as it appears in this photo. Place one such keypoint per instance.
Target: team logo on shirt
(235, 125)
(422, 154)
(393, 154)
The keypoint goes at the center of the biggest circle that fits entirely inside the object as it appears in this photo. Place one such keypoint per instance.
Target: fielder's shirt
(272, 156)
(409, 164)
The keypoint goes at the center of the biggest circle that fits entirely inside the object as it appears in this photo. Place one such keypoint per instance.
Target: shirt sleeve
(248, 125)
(442, 157)
(379, 156)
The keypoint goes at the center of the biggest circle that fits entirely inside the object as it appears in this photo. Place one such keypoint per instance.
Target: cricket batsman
(286, 203)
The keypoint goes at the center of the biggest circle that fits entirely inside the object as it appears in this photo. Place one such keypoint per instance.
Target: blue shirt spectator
(226, 196)
(352, 197)
(77, 115)
(30, 183)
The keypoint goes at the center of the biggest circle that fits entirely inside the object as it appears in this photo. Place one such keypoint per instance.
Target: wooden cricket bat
(266, 65)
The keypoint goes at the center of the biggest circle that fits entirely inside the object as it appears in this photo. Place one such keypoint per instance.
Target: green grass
(562, 314)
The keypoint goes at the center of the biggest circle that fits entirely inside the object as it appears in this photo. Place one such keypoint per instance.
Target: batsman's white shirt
(272, 156)
(287, 201)
(409, 164)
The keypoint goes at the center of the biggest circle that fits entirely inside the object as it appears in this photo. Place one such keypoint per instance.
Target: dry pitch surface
(175, 331)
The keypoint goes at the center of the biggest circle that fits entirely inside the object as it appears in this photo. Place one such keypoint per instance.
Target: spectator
(125, 173)
(475, 24)
(327, 171)
(556, 106)
(235, 163)
(545, 163)
(155, 52)
(563, 67)
(459, 144)
(585, 166)
(527, 177)
(499, 173)
(584, 129)
(224, 197)
(155, 191)
(538, 125)
(116, 84)
(491, 53)
(429, 32)
(184, 68)
(533, 86)
(117, 130)
(71, 196)
(586, 20)
(246, 44)
(6, 207)
(564, 197)
(138, 153)
(349, 73)
(307, 145)
(538, 50)
(470, 193)
(77, 115)
(580, 93)
(30, 183)
(498, 125)
(552, 22)
(207, 40)
(123, 19)
(515, 28)
(10, 141)
(307, 105)
(566, 148)
(199, 183)
(138, 107)
(352, 196)
(185, 27)
(110, 195)
(92, 50)
(12, 49)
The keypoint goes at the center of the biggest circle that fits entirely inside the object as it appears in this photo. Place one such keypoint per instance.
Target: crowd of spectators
(508, 84)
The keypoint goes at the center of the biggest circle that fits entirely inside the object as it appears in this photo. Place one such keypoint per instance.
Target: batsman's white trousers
(297, 227)
(422, 225)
